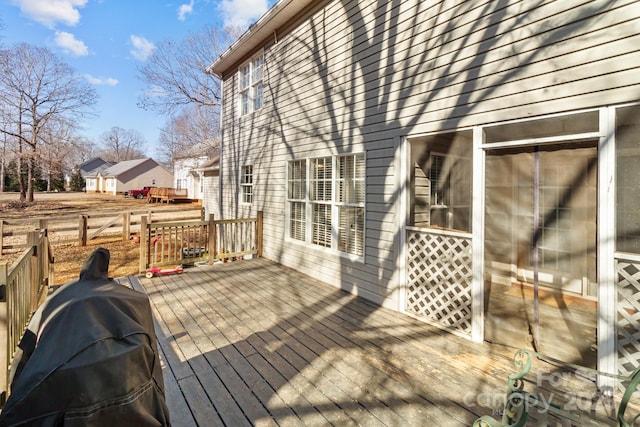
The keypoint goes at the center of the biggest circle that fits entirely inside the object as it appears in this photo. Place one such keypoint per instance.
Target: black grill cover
(89, 358)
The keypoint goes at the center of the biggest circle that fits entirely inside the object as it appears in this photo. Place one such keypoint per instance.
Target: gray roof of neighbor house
(92, 166)
(212, 164)
(267, 26)
(125, 166)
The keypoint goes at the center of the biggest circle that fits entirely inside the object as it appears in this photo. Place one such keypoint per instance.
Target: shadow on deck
(256, 343)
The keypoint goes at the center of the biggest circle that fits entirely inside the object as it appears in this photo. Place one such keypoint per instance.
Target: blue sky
(106, 40)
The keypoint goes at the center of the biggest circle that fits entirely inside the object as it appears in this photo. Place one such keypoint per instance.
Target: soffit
(267, 26)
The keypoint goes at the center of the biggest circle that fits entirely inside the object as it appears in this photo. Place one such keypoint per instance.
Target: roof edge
(268, 24)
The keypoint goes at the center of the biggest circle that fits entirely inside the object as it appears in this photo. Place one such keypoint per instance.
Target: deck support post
(212, 239)
(82, 231)
(259, 234)
(144, 237)
(126, 226)
(5, 354)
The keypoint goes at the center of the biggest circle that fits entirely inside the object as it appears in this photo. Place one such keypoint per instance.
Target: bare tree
(175, 76)
(56, 153)
(83, 150)
(6, 151)
(194, 131)
(36, 87)
(122, 144)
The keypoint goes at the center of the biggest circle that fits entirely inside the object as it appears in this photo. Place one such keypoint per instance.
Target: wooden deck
(256, 343)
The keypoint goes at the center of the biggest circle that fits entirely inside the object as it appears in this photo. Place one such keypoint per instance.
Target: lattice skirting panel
(439, 279)
(628, 318)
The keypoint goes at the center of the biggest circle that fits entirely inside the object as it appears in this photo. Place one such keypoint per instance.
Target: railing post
(36, 274)
(202, 214)
(212, 239)
(82, 231)
(126, 226)
(1, 236)
(49, 262)
(144, 237)
(4, 335)
(259, 233)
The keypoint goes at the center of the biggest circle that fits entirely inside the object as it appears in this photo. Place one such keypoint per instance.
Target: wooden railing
(236, 238)
(24, 287)
(72, 229)
(187, 242)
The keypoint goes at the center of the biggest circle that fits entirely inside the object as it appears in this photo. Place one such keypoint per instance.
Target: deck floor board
(256, 343)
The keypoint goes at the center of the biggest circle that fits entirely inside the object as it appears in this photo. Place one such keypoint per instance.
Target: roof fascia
(267, 26)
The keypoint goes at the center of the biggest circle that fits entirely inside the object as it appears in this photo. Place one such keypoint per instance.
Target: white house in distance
(470, 163)
(210, 172)
(188, 175)
(128, 175)
(89, 167)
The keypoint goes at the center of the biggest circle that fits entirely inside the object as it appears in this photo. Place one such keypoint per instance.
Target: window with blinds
(321, 225)
(326, 198)
(296, 193)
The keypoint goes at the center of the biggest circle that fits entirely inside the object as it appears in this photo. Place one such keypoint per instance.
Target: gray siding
(357, 76)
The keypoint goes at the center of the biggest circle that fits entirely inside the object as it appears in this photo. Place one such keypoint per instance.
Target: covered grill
(89, 357)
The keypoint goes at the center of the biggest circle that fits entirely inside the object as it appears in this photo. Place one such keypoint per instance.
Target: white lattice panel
(628, 322)
(439, 279)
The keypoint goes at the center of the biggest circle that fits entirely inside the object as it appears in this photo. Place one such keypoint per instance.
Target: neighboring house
(187, 175)
(210, 172)
(470, 163)
(90, 167)
(94, 165)
(129, 175)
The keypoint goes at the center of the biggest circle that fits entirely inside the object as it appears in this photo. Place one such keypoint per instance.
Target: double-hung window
(251, 85)
(246, 184)
(326, 202)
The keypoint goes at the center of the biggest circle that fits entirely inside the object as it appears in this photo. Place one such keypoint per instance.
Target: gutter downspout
(221, 150)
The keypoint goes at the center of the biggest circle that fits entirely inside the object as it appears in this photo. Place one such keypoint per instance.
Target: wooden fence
(187, 242)
(72, 229)
(23, 288)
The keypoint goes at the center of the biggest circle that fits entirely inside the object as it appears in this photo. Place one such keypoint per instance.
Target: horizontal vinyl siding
(438, 78)
(357, 76)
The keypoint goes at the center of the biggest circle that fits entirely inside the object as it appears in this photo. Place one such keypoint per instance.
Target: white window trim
(335, 208)
(244, 185)
(251, 87)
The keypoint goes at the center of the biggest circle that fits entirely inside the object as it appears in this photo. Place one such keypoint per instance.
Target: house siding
(358, 76)
(147, 175)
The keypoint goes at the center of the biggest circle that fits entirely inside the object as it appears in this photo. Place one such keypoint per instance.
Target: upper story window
(251, 85)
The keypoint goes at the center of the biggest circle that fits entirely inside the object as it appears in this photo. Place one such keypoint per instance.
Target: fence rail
(24, 287)
(79, 229)
(187, 242)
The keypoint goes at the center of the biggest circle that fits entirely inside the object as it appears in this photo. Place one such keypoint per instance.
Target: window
(321, 201)
(251, 85)
(350, 199)
(246, 184)
(296, 194)
(441, 181)
(326, 202)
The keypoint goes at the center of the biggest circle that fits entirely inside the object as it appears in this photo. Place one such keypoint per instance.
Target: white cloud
(70, 44)
(240, 13)
(100, 81)
(184, 10)
(51, 12)
(142, 48)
